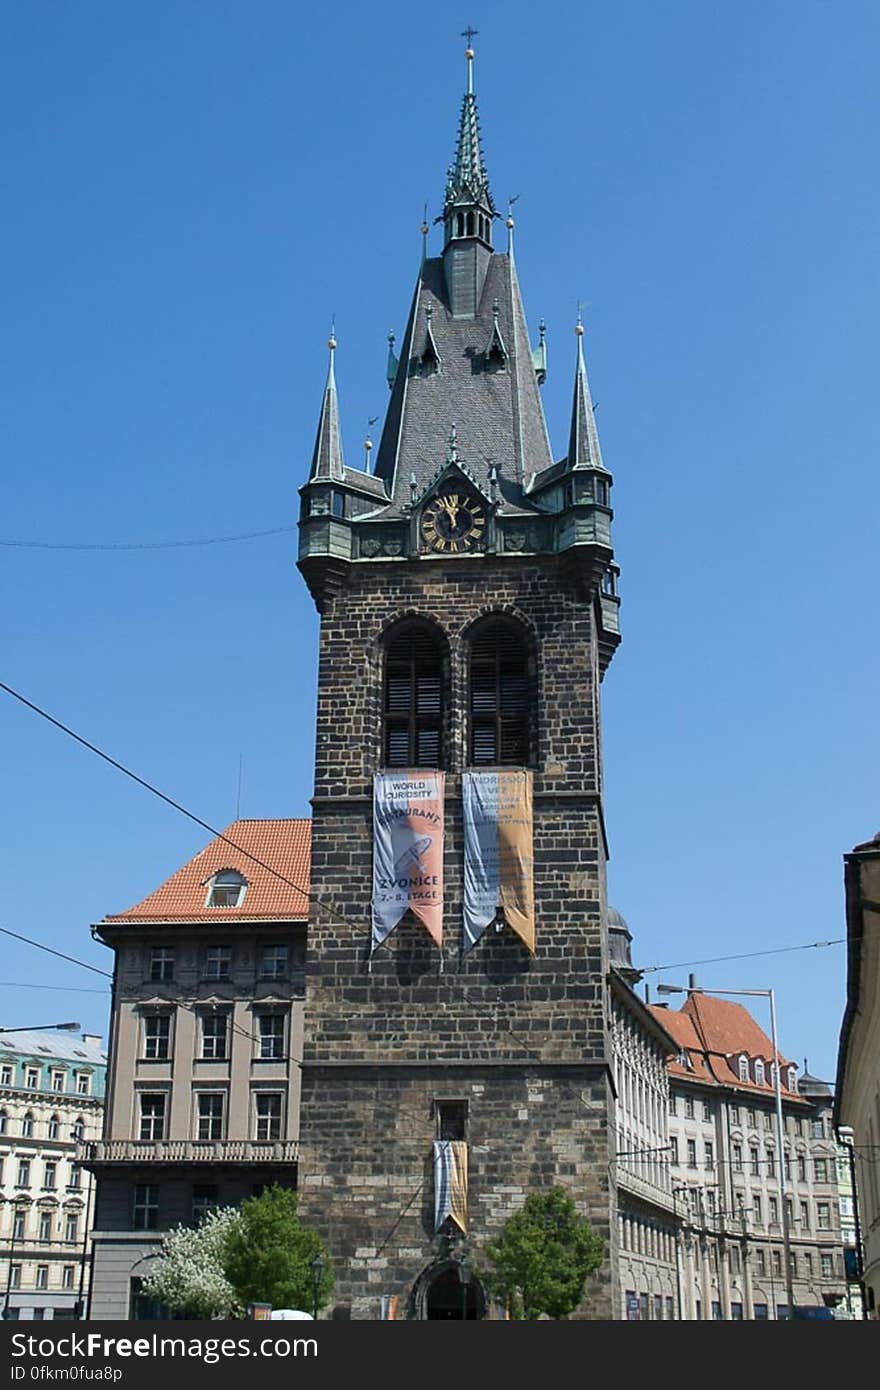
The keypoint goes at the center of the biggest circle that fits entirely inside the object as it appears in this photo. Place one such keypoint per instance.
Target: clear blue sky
(192, 190)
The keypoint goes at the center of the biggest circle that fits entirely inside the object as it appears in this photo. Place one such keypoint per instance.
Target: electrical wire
(63, 989)
(52, 952)
(747, 955)
(146, 545)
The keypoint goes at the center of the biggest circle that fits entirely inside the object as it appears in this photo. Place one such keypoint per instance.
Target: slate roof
(66, 1047)
(498, 415)
(283, 845)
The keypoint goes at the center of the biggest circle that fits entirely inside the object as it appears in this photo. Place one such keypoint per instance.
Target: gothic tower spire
(583, 439)
(327, 460)
(468, 208)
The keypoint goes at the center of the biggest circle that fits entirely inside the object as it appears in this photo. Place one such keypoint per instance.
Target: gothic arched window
(412, 704)
(500, 694)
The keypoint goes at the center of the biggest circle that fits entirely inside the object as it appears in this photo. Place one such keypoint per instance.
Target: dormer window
(744, 1068)
(792, 1079)
(759, 1071)
(226, 889)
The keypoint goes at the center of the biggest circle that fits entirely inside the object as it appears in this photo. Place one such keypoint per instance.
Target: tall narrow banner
(498, 854)
(407, 851)
(450, 1182)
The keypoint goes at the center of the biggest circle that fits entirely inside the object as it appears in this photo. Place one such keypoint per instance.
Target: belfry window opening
(500, 695)
(413, 698)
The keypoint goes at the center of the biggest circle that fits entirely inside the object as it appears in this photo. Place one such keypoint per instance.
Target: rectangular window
(707, 1110)
(267, 1107)
(18, 1225)
(217, 962)
(271, 1034)
(771, 1163)
(734, 1259)
(273, 962)
(210, 1115)
(708, 1154)
(161, 963)
(762, 1264)
(773, 1207)
(768, 1119)
(692, 1153)
(827, 1265)
(737, 1158)
(14, 1280)
(24, 1172)
(757, 1210)
(145, 1206)
(808, 1263)
(817, 1129)
(205, 1199)
(32, 1078)
(673, 1105)
(823, 1216)
(49, 1173)
(67, 1277)
(451, 1119)
(42, 1277)
(689, 1107)
(5, 1076)
(75, 1177)
(673, 1147)
(736, 1312)
(802, 1169)
(71, 1229)
(670, 1308)
(157, 1037)
(83, 1083)
(58, 1081)
(820, 1169)
(734, 1115)
(215, 1032)
(777, 1262)
(152, 1124)
(45, 1225)
(755, 1163)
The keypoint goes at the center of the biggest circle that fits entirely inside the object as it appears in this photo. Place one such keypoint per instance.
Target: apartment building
(51, 1101)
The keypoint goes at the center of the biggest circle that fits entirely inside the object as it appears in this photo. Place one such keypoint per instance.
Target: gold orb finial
(368, 443)
(469, 53)
(509, 224)
(331, 342)
(579, 329)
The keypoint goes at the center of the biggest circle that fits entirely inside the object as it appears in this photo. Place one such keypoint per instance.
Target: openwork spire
(468, 208)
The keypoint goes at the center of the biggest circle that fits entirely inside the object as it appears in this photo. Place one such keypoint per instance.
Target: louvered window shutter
(499, 696)
(413, 703)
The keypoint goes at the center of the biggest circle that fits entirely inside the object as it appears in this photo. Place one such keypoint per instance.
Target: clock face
(452, 522)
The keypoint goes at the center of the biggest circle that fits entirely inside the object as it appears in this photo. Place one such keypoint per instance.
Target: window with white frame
(215, 1034)
(32, 1078)
(157, 1037)
(267, 1114)
(27, 1125)
(823, 1216)
(707, 1110)
(773, 1210)
(67, 1274)
(145, 1206)
(759, 1071)
(692, 1153)
(755, 1163)
(45, 1225)
(217, 962)
(271, 1036)
(274, 961)
(792, 1079)
(83, 1083)
(226, 889)
(58, 1081)
(75, 1177)
(757, 1210)
(820, 1169)
(209, 1115)
(78, 1130)
(771, 1162)
(15, 1276)
(805, 1215)
(827, 1262)
(50, 1171)
(737, 1158)
(689, 1107)
(19, 1225)
(5, 1076)
(42, 1281)
(673, 1149)
(708, 1154)
(161, 963)
(71, 1228)
(152, 1115)
(743, 1068)
(53, 1127)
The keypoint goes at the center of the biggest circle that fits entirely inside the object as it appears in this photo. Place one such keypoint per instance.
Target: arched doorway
(443, 1295)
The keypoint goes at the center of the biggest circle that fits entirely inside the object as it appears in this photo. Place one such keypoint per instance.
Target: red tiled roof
(283, 845)
(714, 1032)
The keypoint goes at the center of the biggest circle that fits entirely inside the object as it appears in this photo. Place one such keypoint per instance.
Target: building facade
(206, 1041)
(51, 1100)
(857, 1103)
(725, 1170)
(467, 597)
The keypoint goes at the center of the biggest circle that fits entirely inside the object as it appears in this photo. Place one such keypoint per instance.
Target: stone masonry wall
(505, 1026)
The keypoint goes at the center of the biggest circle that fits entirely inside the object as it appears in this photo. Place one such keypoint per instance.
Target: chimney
(92, 1038)
(692, 981)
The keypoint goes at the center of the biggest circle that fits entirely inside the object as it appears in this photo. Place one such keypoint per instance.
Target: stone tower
(468, 602)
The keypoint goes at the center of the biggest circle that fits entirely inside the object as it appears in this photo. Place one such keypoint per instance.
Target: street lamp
(46, 1028)
(317, 1272)
(777, 1087)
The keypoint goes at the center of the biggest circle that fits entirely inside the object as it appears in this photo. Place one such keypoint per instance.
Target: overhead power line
(146, 545)
(745, 955)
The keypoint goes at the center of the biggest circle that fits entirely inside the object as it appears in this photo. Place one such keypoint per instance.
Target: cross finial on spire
(470, 34)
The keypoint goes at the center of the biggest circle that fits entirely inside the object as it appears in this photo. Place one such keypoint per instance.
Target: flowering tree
(188, 1276)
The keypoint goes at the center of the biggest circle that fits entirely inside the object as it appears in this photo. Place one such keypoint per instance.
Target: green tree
(268, 1255)
(187, 1275)
(543, 1255)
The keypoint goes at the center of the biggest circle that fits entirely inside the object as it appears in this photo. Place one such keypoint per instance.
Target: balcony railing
(188, 1151)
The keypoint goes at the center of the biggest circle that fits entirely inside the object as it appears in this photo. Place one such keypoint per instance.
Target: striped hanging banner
(498, 853)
